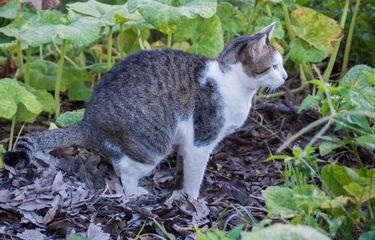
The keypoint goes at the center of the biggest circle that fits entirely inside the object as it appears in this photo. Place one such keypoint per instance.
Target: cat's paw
(136, 192)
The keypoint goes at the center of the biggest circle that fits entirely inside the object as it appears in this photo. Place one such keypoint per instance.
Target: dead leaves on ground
(76, 193)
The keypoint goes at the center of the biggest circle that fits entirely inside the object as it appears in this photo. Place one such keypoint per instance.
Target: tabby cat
(156, 99)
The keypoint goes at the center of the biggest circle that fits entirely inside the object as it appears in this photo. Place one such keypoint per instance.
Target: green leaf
(301, 52)
(235, 232)
(329, 144)
(231, 18)
(315, 28)
(75, 237)
(334, 177)
(10, 9)
(45, 98)
(310, 102)
(358, 89)
(16, 95)
(74, 79)
(131, 40)
(367, 141)
(361, 193)
(285, 231)
(68, 118)
(280, 201)
(165, 15)
(209, 44)
(104, 13)
(43, 76)
(2, 151)
(343, 181)
(48, 26)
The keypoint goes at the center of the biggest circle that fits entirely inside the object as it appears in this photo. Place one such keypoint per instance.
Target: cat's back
(155, 70)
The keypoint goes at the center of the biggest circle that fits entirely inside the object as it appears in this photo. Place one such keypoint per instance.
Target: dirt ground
(74, 191)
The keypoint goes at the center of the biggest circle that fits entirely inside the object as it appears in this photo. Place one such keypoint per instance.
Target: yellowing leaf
(315, 28)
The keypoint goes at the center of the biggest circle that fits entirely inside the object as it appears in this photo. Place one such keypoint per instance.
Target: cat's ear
(254, 49)
(268, 30)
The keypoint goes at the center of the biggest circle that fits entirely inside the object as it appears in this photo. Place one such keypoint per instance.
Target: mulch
(74, 191)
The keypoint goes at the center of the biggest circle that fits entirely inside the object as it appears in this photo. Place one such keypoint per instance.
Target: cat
(154, 100)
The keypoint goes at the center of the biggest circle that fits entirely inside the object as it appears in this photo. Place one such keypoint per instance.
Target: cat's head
(260, 62)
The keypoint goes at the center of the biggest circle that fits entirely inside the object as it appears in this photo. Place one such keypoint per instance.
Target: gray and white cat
(156, 99)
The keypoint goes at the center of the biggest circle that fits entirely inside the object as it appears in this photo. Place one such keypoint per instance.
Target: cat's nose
(284, 75)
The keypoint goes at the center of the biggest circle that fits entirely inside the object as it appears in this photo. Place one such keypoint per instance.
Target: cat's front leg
(194, 164)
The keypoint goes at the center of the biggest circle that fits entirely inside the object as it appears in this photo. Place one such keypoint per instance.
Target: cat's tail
(28, 145)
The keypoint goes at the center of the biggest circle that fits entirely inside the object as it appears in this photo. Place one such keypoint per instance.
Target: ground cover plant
(302, 166)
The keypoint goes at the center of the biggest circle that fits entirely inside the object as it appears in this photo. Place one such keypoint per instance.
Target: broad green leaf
(357, 88)
(15, 94)
(264, 21)
(75, 237)
(285, 232)
(367, 141)
(68, 118)
(301, 52)
(235, 233)
(231, 18)
(44, 97)
(335, 177)
(288, 3)
(43, 76)
(315, 28)
(8, 107)
(359, 73)
(280, 201)
(308, 197)
(74, 79)
(206, 35)
(361, 193)
(10, 9)
(310, 102)
(131, 39)
(2, 151)
(329, 144)
(48, 26)
(13, 29)
(104, 13)
(164, 15)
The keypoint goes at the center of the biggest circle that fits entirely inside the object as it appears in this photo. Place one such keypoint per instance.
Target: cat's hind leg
(130, 172)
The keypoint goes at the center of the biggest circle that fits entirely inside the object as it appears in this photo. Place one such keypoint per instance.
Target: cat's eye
(265, 70)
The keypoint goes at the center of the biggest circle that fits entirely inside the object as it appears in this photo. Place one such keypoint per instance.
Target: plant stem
(109, 48)
(28, 61)
(41, 52)
(268, 10)
(332, 59)
(121, 45)
(349, 39)
(19, 54)
(287, 21)
(169, 41)
(58, 78)
(12, 127)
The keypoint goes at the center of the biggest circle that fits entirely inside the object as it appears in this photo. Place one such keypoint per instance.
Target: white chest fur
(237, 97)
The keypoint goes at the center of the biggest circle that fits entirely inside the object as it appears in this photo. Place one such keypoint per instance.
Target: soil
(74, 191)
